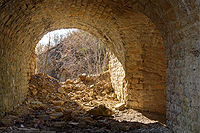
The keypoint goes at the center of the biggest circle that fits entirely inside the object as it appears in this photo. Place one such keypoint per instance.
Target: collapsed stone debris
(87, 104)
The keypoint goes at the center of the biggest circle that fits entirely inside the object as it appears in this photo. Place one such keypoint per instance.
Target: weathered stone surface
(59, 124)
(117, 73)
(56, 115)
(143, 79)
(100, 110)
(61, 90)
(22, 23)
(120, 106)
(58, 103)
(74, 114)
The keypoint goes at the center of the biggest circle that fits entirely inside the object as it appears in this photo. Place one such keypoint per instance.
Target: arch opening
(121, 83)
(131, 90)
(118, 24)
(68, 53)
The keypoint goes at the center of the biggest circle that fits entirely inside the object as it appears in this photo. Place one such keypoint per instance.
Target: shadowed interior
(138, 33)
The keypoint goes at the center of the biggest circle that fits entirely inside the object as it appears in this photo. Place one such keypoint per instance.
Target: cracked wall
(22, 24)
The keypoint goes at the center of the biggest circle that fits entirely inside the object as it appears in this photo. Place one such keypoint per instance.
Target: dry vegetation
(79, 53)
(86, 104)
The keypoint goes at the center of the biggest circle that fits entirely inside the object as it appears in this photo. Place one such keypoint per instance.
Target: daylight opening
(79, 82)
(73, 75)
(67, 53)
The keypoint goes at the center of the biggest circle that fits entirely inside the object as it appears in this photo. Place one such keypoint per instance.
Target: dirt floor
(86, 105)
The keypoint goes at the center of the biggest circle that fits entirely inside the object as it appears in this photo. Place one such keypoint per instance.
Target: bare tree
(79, 53)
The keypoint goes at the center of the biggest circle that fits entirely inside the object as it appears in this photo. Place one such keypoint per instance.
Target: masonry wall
(146, 70)
(22, 24)
(117, 74)
(13, 79)
(183, 102)
(32, 66)
(145, 67)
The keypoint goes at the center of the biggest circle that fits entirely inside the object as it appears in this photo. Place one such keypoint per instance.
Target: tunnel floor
(85, 105)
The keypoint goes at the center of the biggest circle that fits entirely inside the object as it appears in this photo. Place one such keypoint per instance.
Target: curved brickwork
(124, 26)
(145, 66)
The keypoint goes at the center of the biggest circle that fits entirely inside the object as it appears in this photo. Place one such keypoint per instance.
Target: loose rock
(100, 110)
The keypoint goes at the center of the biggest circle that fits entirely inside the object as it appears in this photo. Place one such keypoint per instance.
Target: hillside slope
(79, 53)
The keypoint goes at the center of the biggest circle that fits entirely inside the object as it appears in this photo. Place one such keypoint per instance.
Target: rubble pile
(87, 104)
(84, 93)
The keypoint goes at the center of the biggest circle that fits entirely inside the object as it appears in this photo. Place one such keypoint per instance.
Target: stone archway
(23, 23)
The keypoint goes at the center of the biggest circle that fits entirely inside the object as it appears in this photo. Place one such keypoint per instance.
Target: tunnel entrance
(67, 53)
(94, 87)
(133, 31)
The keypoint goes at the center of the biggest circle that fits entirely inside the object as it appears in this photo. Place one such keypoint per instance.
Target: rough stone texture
(145, 66)
(32, 66)
(22, 24)
(117, 73)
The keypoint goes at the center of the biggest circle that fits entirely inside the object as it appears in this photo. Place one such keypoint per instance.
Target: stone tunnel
(155, 49)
